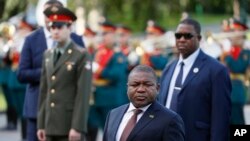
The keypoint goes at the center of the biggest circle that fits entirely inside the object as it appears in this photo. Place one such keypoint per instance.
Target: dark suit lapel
(65, 56)
(166, 82)
(116, 120)
(147, 117)
(197, 66)
(43, 42)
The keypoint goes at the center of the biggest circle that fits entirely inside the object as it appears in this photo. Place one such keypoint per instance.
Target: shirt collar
(190, 59)
(62, 49)
(132, 108)
(47, 33)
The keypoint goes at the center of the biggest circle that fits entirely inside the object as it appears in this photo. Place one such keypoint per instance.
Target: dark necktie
(130, 125)
(177, 89)
(57, 56)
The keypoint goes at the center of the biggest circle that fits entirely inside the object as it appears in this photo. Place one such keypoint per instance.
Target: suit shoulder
(118, 109)
(214, 63)
(166, 112)
(35, 33)
(80, 49)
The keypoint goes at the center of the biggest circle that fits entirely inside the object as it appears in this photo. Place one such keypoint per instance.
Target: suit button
(52, 104)
(52, 91)
(53, 77)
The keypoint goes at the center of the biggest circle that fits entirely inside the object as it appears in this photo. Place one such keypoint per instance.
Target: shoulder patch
(79, 48)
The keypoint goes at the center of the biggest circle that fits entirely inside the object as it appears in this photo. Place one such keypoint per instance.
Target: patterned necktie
(177, 89)
(130, 125)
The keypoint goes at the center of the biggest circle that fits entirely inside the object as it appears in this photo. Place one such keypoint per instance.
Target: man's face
(60, 33)
(142, 88)
(187, 40)
(239, 38)
(123, 38)
(109, 38)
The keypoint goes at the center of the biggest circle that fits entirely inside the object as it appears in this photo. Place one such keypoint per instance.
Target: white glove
(133, 58)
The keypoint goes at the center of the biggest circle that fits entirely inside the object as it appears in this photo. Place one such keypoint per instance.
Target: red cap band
(60, 18)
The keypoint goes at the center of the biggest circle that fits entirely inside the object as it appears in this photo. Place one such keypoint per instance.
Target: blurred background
(135, 13)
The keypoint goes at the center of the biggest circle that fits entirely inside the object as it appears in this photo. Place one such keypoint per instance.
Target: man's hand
(74, 135)
(41, 135)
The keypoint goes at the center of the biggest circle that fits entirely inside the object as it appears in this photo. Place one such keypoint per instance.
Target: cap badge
(54, 9)
(55, 17)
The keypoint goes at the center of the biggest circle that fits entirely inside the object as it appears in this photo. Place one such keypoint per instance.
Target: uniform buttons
(52, 104)
(53, 77)
(52, 91)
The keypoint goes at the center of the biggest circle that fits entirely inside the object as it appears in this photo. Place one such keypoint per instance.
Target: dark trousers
(237, 114)
(61, 138)
(31, 129)
(56, 138)
(11, 112)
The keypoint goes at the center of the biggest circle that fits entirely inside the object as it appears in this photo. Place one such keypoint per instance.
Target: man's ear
(199, 37)
(158, 86)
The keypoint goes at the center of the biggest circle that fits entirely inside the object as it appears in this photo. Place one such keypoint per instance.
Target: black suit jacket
(156, 124)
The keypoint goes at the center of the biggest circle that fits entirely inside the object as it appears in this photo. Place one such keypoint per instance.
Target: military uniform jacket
(64, 91)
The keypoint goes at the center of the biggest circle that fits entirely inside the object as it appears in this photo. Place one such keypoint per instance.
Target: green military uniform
(238, 68)
(64, 91)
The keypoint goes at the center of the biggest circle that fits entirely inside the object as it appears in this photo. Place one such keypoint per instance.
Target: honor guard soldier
(124, 34)
(65, 83)
(30, 66)
(89, 40)
(154, 54)
(110, 72)
(237, 60)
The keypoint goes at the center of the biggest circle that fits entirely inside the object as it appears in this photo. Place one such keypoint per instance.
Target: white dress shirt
(188, 63)
(48, 37)
(126, 118)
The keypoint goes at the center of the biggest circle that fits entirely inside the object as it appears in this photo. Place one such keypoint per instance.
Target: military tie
(130, 125)
(177, 89)
(57, 55)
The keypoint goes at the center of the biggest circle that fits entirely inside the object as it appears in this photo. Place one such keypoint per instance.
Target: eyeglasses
(187, 36)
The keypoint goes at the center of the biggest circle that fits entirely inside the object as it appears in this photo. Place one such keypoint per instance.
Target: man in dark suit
(29, 71)
(153, 123)
(65, 83)
(197, 87)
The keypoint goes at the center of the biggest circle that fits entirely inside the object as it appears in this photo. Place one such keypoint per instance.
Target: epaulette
(79, 48)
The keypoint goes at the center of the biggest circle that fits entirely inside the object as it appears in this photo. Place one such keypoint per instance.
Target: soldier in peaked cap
(30, 64)
(124, 34)
(237, 61)
(65, 83)
(110, 71)
(154, 29)
(154, 55)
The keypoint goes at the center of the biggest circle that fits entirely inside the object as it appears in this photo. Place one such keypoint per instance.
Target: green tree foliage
(134, 13)
(12, 7)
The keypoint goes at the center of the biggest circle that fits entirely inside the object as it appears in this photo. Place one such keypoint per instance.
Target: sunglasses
(187, 36)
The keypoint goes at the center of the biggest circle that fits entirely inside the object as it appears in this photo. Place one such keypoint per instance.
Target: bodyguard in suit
(197, 87)
(29, 71)
(143, 119)
(65, 83)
